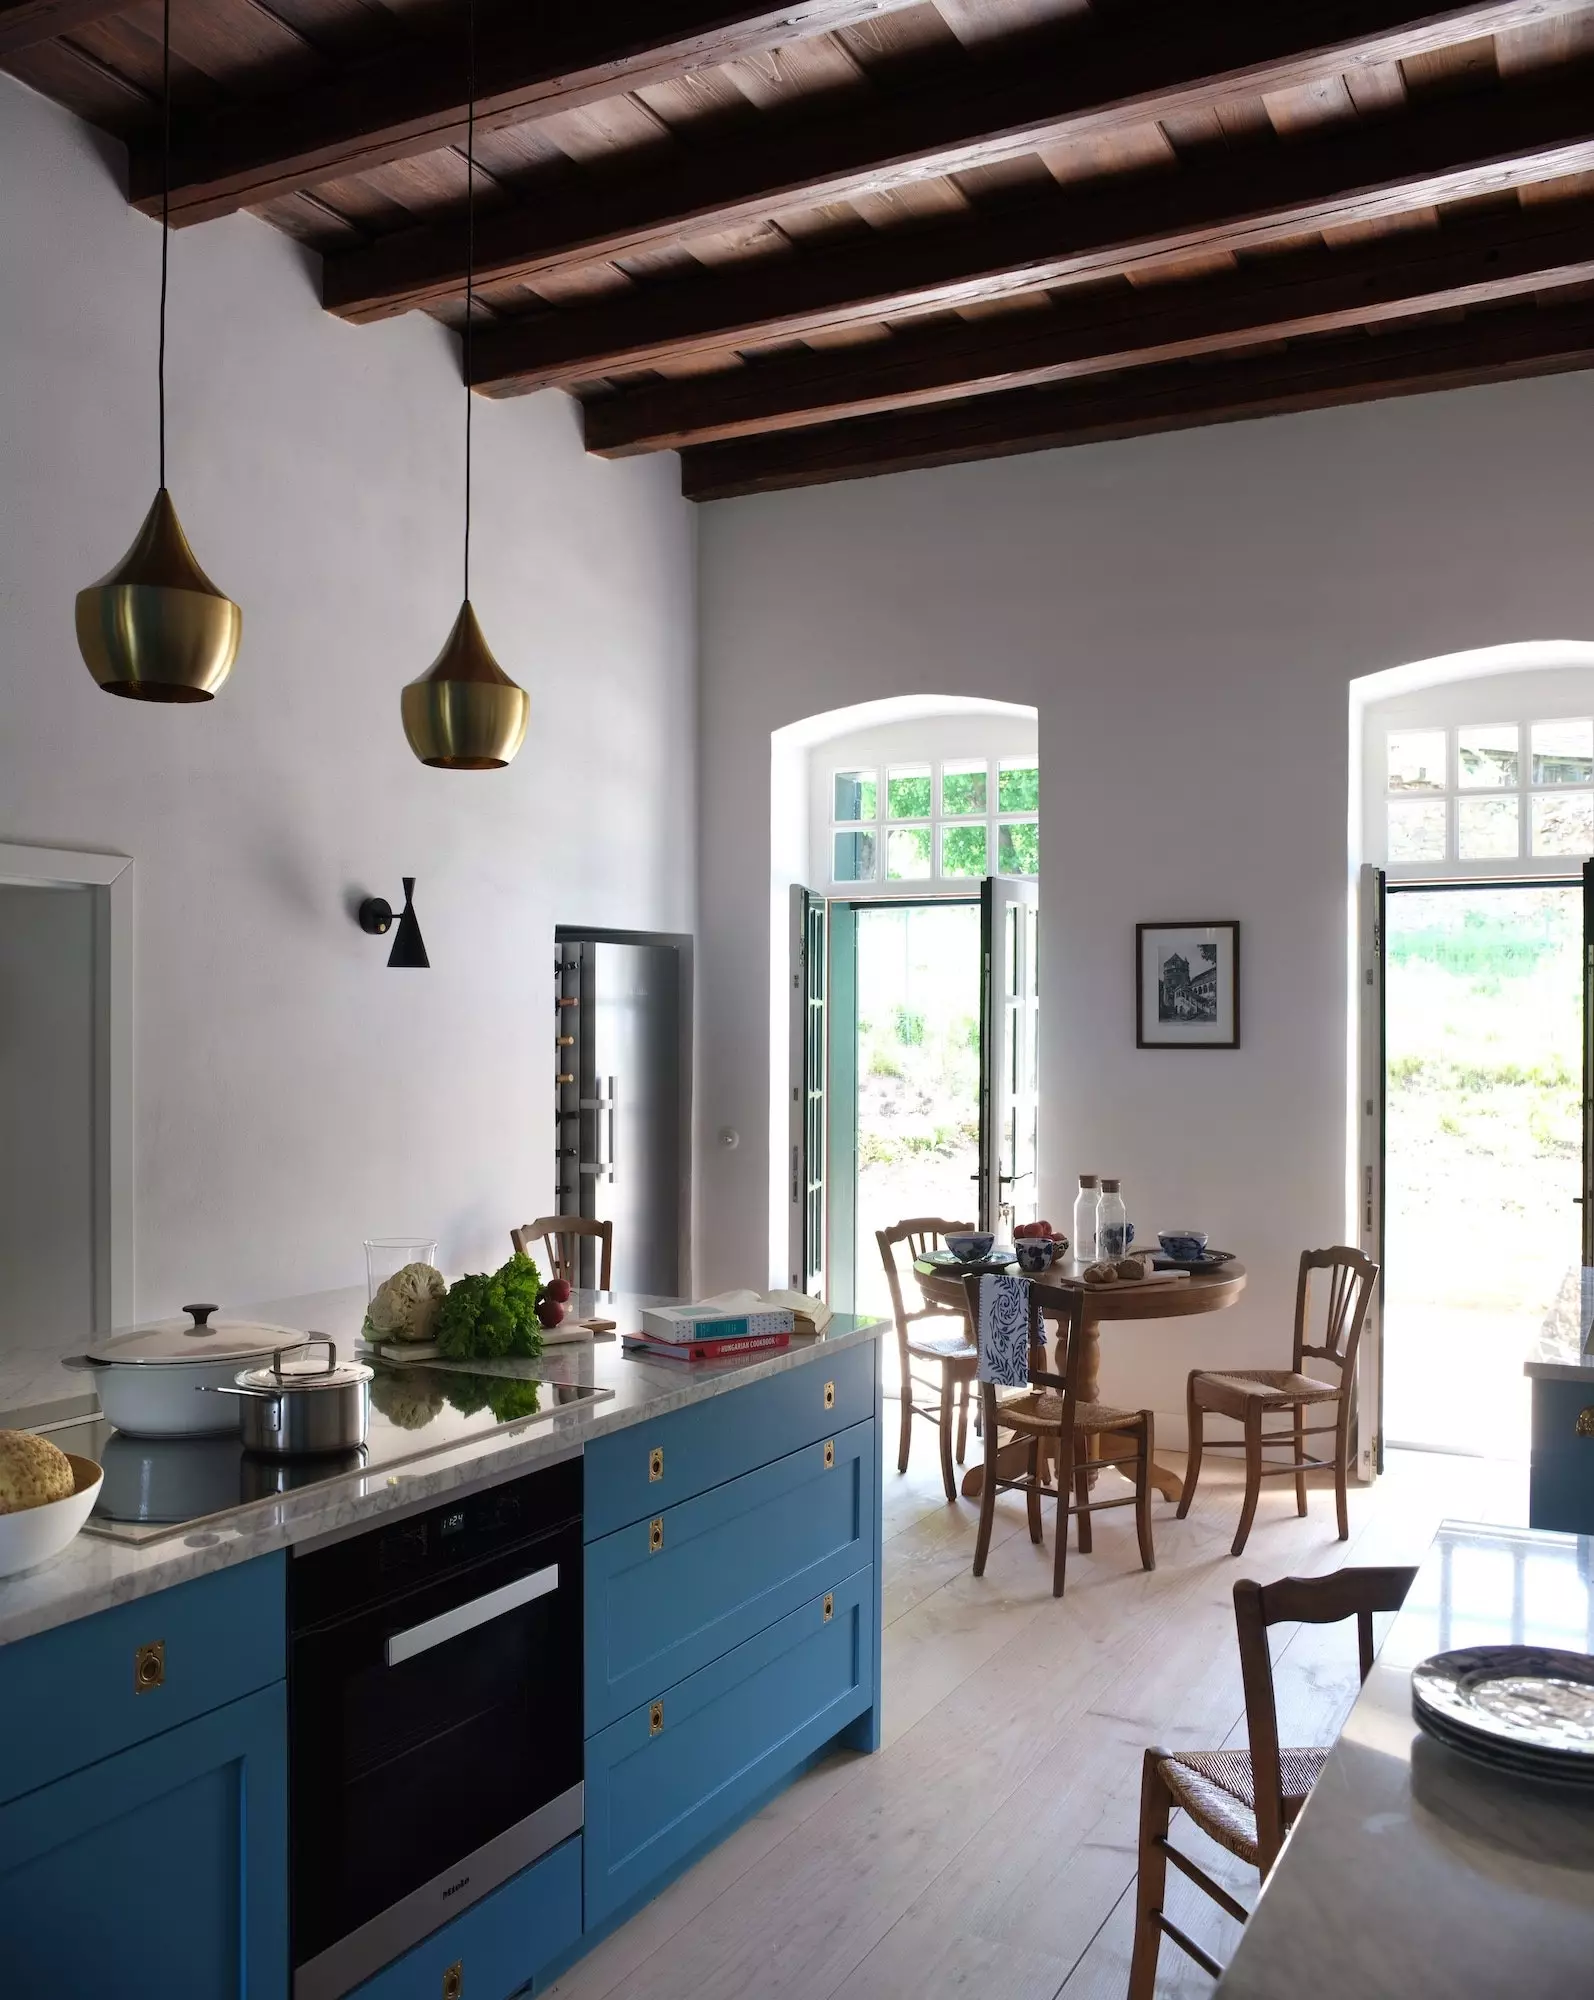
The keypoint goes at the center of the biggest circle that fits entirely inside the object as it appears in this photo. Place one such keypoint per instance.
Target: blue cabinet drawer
(162, 1871)
(635, 1473)
(669, 1776)
(498, 1943)
(84, 1691)
(671, 1593)
(1561, 1477)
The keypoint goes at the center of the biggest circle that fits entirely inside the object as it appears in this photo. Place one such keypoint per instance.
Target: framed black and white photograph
(1187, 986)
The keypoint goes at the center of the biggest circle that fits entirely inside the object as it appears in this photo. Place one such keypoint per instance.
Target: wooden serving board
(1082, 1284)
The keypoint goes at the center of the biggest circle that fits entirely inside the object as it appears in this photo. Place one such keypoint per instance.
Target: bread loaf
(32, 1472)
(1104, 1273)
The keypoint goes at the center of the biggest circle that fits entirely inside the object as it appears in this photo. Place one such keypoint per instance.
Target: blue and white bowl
(970, 1248)
(1184, 1246)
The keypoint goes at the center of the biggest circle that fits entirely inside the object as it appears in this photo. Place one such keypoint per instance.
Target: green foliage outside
(965, 850)
(910, 1028)
(908, 798)
(962, 793)
(1018, 848)
(1019, 790)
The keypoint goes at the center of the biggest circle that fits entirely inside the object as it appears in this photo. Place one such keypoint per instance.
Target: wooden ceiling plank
(1440, 152)
(1325, 292)
(412, 99)
(1012, 104)
(1505, 345)
(24, 23)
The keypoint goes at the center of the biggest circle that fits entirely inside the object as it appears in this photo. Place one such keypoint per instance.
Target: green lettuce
(486, 1318)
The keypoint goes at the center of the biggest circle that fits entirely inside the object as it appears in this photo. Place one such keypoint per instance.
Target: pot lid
(309, 1364)
(198, 1337)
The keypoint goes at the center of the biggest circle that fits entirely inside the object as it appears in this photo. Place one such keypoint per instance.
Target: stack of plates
(1522, 1710)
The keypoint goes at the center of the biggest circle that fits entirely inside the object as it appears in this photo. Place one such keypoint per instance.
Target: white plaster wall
(1187, 614)
(293, 1095)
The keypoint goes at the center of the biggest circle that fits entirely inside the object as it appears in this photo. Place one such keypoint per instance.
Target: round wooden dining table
(1180, 1298)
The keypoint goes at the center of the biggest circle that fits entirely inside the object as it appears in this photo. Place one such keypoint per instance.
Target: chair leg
(1067, 1446)
(1341, 1466)
(905, 1442)
(948, 1398)
(1300, 1453)
(982, 1541)
(1253, 1474)
(1148, 1553)
(1082, 1495)
(963, 1418)
(1156, 1808)
(1194, 1440)
(1033, 1496)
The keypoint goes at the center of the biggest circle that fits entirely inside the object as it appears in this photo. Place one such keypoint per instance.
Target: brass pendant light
(466, 714)
(157, 628)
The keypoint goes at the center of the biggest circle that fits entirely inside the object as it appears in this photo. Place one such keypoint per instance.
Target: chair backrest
(920, 1233)
(1069, 1317)
(1351, 1278)
(560, 1235)
(1353, 1592)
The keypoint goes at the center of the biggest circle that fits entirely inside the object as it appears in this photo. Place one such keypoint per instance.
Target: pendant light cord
(166, 215)
(470, 254)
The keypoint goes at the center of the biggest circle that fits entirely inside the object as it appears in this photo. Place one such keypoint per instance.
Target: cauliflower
(32, 1472)
(410, 1397)
(405, 1306)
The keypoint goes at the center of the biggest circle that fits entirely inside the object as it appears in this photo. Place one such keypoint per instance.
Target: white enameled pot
(146, 1379)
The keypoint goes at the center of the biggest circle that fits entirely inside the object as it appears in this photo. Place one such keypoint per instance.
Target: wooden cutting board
(1120, 1285)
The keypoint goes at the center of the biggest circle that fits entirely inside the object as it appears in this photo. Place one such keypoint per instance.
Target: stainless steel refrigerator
(623, 1048)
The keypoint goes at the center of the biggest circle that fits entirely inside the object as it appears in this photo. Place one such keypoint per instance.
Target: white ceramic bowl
(33, 1534)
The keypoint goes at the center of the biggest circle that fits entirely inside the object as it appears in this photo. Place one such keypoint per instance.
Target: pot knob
(200, 1315)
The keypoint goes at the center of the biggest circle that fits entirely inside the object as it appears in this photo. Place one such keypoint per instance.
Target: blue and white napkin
(1004, 1330)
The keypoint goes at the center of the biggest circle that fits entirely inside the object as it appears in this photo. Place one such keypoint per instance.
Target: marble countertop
(93, 1573)
(1565, 1349)
(1412, 1870)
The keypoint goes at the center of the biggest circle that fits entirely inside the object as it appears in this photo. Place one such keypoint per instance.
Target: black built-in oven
(435, 1718)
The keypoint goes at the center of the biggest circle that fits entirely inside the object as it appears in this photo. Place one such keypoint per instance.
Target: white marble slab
(1412, 1870)
(93, 1573)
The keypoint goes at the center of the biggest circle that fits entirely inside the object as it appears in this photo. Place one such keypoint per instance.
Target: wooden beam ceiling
(1472, 262)
(1500, 346)
(531, 63)
(1162, 64)
(1446, 151)
(25, 23)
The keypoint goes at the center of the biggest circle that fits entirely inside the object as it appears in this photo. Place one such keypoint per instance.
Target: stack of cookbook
(734, 1324)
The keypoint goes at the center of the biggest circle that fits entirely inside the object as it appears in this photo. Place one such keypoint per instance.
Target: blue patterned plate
(1528, 1705)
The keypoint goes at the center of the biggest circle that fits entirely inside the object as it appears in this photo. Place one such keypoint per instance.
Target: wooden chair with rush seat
(950, 1352)
(1250, 1394)
(1051, 1416)
(1245, 1800)
(560, 1237)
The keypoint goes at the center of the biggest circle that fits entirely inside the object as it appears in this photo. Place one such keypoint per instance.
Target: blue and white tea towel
(1004, 1330)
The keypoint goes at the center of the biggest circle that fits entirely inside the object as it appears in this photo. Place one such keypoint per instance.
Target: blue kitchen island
(730, 1594)
(1561, 1474)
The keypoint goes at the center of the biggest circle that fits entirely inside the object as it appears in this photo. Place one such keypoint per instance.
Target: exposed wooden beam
(1475, 262)
(1496, 346)
(531, 62)
(25, 22)
(1163, 63)
(1437, 152)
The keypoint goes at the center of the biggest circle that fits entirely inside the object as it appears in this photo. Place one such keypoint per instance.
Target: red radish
(549, 1311)
(557, 1289)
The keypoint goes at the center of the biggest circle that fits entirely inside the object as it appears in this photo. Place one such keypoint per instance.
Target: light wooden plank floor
(989, 1848)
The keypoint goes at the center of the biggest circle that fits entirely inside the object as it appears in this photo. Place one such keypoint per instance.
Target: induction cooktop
(156, 1487)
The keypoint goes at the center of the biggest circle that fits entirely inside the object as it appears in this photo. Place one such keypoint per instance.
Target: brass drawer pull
(454, 1981)
(830, 1453)
(830, 1395)
(830, 1606)
(149, 1667)
(1585, 1422)
(655, 1717)
(656, 1463)
(655, 1534)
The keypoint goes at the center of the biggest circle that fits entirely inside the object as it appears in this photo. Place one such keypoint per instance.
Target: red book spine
(716, 1350)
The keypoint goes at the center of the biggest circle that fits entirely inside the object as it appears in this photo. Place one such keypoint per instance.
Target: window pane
(1416, 760)
(1487, 755)
(1486, 829)
(855, 858)
(1417, 830)
(965, 850)
(1018, 785)
(1563, 823)
(908, 792)
(963, 788)
(908, 853)
(1563, 754)
(1018, 848)
(855, 799)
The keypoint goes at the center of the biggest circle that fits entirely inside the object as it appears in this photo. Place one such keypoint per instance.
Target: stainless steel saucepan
(295, 1411)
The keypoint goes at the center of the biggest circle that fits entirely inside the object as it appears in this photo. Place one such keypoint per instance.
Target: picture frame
(1187, 985)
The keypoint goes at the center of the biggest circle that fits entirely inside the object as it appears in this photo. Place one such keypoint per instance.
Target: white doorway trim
(110, 877)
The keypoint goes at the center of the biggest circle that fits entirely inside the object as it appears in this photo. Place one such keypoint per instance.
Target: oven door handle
(466, 1617)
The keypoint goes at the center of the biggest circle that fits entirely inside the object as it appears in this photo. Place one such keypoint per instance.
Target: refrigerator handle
(610, 1162)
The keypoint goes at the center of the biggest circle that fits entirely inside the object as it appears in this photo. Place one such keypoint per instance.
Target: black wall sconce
(376, 919)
